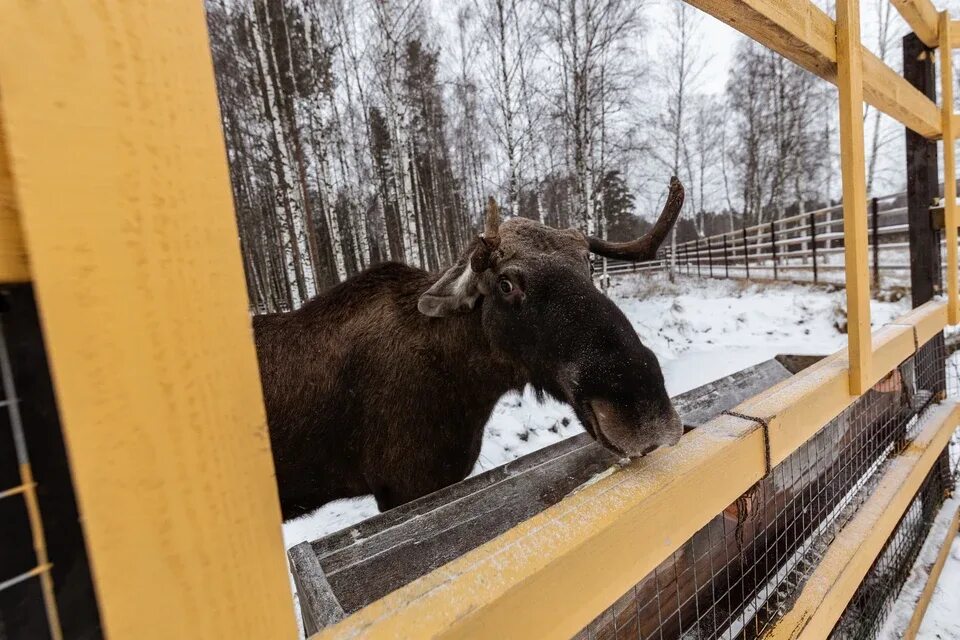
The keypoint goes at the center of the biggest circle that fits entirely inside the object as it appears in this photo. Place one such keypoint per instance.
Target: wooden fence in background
(807, 247)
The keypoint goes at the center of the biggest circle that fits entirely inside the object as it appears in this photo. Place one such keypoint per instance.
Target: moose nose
(636, 434)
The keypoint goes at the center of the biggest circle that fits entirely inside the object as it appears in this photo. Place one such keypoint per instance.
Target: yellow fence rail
(115, 155)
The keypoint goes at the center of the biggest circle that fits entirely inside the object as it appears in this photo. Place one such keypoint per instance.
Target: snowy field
(700, 330)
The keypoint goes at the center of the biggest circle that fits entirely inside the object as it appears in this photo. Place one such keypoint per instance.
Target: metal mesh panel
(737, 575)
(874, 598)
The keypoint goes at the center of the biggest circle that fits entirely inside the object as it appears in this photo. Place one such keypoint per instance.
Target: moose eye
(505, 286)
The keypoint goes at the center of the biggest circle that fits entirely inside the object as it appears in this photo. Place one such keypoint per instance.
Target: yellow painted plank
(932, 577)
(922, 17)
(13, 254)
(124, 196)
(803, 33)
(853, 172)
(852, 552)
(928, 320)
(955, 33)
(949, 167)
(552, 574)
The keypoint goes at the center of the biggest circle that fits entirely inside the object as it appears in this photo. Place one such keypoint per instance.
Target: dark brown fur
(344, 380)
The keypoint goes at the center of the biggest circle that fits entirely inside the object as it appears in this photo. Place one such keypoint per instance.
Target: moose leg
(386, 499)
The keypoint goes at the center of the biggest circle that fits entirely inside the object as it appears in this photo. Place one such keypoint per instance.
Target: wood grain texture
(13, 254)
(853, 172)
(121, 177)
(922, 17)
(949, 167)
(852, 552)
(801, 32)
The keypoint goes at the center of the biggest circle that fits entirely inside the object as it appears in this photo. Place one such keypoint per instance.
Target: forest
(369, 130)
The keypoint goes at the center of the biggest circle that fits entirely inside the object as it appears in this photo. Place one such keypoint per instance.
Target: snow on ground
(700, 330)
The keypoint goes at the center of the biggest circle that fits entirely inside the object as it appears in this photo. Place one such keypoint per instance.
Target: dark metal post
(875, 232)
(922, 179)
(698, 256)
(813, 245)
(773, 247)
(746, 253)
(710, 255)
(726, 266)
(923, 186)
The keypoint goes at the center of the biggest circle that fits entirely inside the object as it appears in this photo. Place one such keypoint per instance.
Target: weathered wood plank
(111, 121)
(319, 606)
(850, 66)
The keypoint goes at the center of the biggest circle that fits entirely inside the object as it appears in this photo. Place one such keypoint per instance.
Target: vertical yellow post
(119, 170)
(949, 166)
(853, 167)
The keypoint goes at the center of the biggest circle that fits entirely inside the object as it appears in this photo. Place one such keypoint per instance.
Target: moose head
(539, 308)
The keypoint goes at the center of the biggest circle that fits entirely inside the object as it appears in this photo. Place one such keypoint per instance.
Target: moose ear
(456, 291)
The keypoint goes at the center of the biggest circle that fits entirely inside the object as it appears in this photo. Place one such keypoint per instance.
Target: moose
(383, 384)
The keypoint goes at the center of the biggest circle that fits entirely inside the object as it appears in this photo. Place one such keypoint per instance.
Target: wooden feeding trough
(344, 571)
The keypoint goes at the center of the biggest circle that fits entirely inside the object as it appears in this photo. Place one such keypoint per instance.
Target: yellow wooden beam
(949, 166)
(551, 575)
(122, 185)
(922, 17)
(853, 172)
(13, 254)
(798, 407)
(932, 577)
(852, 552)
(801, 32)
(955, 33)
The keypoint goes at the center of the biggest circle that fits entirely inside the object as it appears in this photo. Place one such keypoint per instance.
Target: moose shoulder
(383, 384)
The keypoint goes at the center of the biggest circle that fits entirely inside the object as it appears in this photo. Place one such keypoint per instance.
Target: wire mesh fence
(874, 599)
(737, 575)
